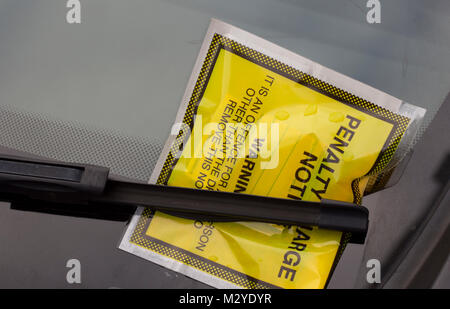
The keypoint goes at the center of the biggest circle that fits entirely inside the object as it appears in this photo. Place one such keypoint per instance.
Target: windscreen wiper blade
(23, 179)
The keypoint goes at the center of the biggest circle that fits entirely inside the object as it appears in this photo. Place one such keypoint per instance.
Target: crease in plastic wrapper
(258, 119)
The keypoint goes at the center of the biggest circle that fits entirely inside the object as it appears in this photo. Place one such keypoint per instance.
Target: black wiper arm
(81, 184)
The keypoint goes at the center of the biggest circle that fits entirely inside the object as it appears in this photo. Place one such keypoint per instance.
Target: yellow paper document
(253, 123)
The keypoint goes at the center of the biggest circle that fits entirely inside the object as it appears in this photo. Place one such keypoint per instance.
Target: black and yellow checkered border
(218, 42)
(140, 238)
